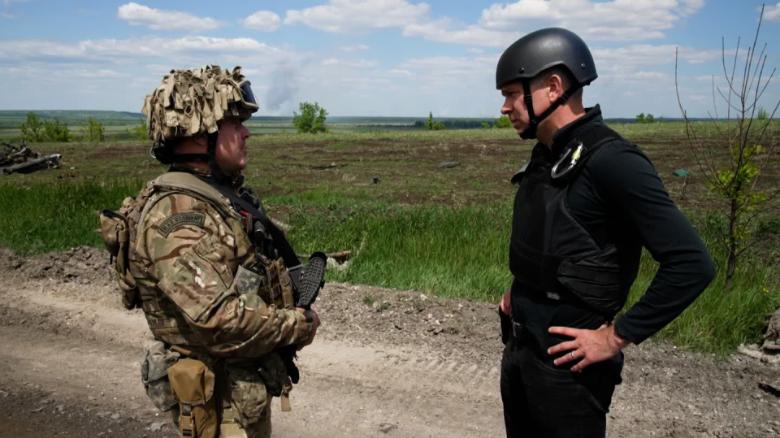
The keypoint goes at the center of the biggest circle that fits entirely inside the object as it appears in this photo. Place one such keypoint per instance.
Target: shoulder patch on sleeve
(177, 220)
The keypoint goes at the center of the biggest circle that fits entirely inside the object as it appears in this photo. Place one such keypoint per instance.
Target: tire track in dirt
(87, 351)
(381, 372)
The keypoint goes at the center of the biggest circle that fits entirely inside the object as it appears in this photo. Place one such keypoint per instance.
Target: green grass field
(409, 221)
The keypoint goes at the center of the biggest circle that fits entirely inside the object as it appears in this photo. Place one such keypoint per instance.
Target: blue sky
(370, 57)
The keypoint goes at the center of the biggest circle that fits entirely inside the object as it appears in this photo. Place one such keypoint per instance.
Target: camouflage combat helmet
(192, 102)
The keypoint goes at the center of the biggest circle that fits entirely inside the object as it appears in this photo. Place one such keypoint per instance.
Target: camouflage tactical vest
(268, 281)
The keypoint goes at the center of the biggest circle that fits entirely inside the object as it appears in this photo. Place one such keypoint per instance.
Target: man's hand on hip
(587, 346)
(505, 306)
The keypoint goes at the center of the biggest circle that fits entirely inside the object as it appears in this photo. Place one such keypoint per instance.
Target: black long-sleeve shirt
(618, 197)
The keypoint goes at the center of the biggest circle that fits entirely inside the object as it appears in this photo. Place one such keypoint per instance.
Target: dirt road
(385, 363)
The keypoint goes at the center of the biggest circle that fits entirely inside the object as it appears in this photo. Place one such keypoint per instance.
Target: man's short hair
(566, 78)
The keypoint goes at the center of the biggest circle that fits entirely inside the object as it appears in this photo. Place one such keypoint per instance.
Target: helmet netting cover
(191, 102)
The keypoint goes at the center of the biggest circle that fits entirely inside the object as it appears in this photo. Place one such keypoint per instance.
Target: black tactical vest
(551, 253)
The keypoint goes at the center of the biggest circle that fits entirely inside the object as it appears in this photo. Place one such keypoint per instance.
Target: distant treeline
(11, 119)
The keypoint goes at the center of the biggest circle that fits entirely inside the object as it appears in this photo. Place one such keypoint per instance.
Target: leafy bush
(645, 118)
(140, 132)
(54, 130)
(311, 119)
(35, 130)
(32, 128)
(503, 122)
(434, 125)
(94, 131)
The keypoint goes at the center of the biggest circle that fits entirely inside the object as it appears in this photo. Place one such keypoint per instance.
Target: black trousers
(542, 400)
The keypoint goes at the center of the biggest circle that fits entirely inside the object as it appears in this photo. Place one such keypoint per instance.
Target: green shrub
(311, 118)
(140, 132)
(433, 125)
(94, 131)
(503, 122)
(54, 130)
(32, 128)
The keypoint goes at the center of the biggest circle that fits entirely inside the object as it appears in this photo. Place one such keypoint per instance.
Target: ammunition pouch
(193, 384)
(279, 285)
(115, 231)
(154, 375)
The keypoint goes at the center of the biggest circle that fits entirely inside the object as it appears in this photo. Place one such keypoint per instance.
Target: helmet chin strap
(534, 120)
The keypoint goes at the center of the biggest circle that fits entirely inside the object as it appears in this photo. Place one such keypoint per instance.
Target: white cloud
(611, 20)
(354, 48)
(441, 30)
(159, 19)
(133, 48)
(645, 54)
(7, 6)
(615, 20)
(772, 13)
(348, 63)
(265, 21)
(400, 72)
(357, 15)
(91, 74)
(445, 76)
(133, 65)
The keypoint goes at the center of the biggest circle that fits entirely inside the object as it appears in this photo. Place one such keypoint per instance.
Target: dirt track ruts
(404, 365)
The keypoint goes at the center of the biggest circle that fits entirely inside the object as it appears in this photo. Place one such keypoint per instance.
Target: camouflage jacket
(190, 259)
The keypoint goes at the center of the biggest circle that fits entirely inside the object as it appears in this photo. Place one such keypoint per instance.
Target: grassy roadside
(454, 252)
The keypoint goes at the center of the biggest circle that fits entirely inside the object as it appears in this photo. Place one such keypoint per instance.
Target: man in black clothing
(586, 203)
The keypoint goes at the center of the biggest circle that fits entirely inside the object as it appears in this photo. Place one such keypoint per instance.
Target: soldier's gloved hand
(313, 320)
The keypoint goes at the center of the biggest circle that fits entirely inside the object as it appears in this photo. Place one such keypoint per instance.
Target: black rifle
(311, 281)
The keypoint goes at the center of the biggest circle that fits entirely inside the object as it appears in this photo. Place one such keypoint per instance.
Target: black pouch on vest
(595, 280)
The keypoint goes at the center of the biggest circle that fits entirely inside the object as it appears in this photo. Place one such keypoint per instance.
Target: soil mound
(82, 265)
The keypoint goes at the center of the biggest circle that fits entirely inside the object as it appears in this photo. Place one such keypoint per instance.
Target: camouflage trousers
(229, 427)
(220, 400)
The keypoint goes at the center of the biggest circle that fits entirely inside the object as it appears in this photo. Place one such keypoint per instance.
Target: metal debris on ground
(22, 159)
(448, 164)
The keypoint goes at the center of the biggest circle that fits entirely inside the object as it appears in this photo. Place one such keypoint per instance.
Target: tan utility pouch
(115, 231)
(193, 384)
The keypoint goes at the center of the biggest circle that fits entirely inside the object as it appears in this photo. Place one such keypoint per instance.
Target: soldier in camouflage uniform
(216, 294)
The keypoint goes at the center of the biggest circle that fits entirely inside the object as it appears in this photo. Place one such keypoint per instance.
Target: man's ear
(555, 86)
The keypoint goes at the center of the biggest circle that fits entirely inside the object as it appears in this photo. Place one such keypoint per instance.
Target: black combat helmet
(541, 50)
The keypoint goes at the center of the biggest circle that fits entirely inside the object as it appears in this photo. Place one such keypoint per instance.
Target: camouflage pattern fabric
(245, 405)
(189, 254)
(191, 102)
(248, 409)
(205, 290)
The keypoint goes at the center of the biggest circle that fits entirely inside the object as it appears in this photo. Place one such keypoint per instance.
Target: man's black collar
(565, 135)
